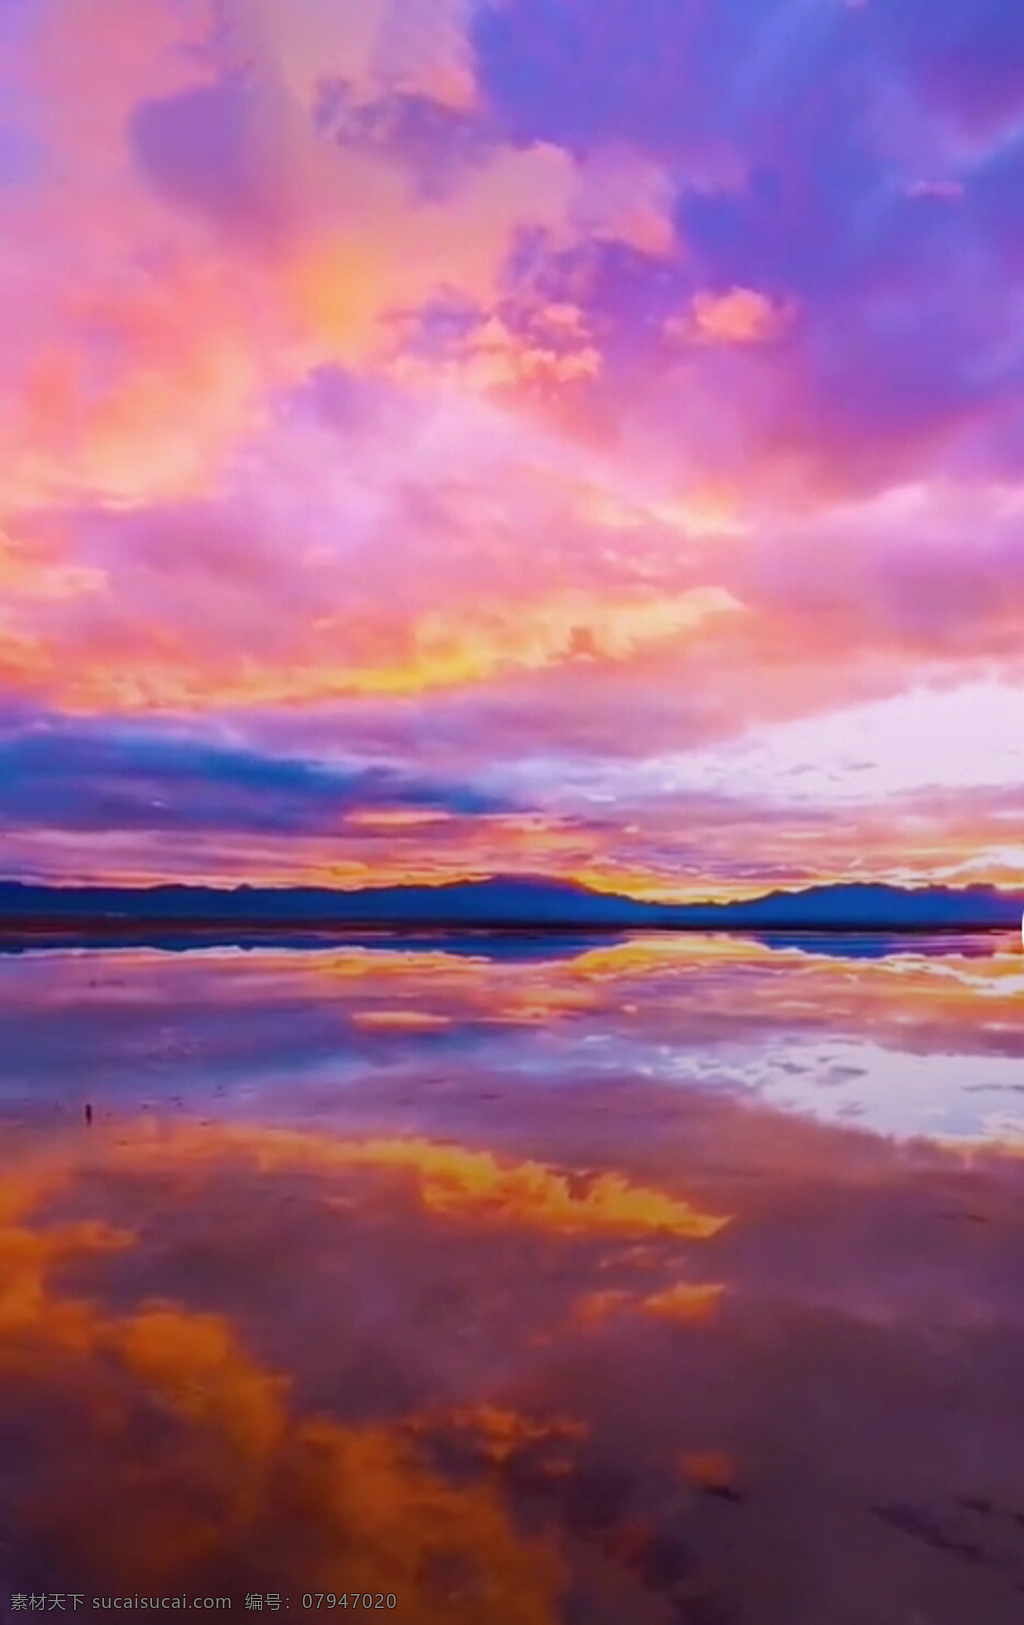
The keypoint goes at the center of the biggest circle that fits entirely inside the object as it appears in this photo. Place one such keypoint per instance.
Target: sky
(451, 437)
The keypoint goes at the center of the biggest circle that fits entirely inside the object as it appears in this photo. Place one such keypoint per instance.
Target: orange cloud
(442, 650)
(186, 392)
(136, 378)
(134, 351)
(497, 1434)
(375, 251)
(26, 1310)
(242, 1483)
(692, 1303)
(237, 1480)
(495, 357)
(709, 1469)
(454, 1181)
(235, 1475)
(401, 1020)
(740, 316)
(395, 817)
(594, 1307)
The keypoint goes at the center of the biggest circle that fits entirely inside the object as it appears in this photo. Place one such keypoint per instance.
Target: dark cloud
(434, 143)
(96, 776)
(208, 148)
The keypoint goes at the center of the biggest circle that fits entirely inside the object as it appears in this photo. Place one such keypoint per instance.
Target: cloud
(453, 1180)
(684, 640)
(417, 48)
(235, 1465)
(794, 154)
(688, 1302)
(487, 353)
(740, 316)
(286, 1357)
(915, 1038)
(212, 148)
(625, 197)
(137, 778)
(271, 592)
(504, 385)
(224, 243)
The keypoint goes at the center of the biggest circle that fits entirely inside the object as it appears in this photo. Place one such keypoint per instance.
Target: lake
(643, 1281)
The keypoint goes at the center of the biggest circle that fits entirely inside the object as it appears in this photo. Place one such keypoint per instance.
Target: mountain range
(501, 902)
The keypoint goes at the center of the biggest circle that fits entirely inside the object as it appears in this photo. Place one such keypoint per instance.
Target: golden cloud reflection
(690, 1302)
(240, 1483)
(409, 1020)
(450, 1180)
(193, 1453)
(915, 1037)
(912, 988)
(246, 1358)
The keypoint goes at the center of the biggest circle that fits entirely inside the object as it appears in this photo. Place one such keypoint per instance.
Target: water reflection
(678, 1280)
(927, 1039)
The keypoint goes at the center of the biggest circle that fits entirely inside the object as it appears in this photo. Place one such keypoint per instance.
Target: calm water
(654, 1280)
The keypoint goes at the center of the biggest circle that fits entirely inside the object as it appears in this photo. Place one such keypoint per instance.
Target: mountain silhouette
(500, 902)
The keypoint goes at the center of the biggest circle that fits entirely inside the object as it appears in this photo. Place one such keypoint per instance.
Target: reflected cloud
(235, 1357)
(189, 1461)
(194, 1453)
(863, 946)
(453, 1180)
(500, 946)
(691, 1302)
(909, 1041)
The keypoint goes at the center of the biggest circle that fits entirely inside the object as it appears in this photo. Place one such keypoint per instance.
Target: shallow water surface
(662, 1279)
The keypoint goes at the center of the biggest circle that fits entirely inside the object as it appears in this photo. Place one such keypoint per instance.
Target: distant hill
(502, 902)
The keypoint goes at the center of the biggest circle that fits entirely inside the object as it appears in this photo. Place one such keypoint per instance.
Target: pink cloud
(739, 316)
(624, 196)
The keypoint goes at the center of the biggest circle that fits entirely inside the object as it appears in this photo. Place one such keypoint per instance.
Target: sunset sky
(451, 437)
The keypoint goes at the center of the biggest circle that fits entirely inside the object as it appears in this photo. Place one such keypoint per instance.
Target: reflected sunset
(510, 1317)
